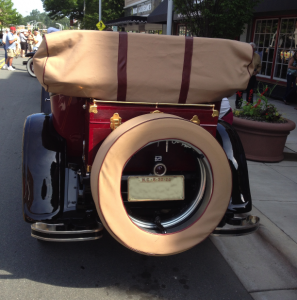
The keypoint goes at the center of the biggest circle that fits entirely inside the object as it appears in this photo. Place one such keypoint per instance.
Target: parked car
(158, 176)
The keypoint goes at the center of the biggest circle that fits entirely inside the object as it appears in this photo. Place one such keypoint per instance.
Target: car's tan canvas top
(142, 67)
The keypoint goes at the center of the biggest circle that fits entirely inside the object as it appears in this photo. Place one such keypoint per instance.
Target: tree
(111, 9)
(216, 18)
(43, 19)
(8, 14)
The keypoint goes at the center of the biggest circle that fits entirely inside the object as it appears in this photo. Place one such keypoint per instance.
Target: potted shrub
(262, 129)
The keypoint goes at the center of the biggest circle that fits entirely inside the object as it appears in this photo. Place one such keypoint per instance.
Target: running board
(240, 226)
(57, 233)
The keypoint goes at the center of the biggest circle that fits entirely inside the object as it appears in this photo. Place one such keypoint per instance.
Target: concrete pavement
(266, 261)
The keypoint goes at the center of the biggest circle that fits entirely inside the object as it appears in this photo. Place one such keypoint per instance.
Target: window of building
(275, 40)
(264, 38)
(183, 31)
(287, 40)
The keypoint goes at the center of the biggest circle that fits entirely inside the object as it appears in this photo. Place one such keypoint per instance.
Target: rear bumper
(238, 226)
(60, 233)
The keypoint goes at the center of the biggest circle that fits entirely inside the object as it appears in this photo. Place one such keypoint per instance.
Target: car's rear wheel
(161, 184)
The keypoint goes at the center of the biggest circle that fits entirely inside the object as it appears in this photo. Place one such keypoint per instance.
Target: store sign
(144, 8)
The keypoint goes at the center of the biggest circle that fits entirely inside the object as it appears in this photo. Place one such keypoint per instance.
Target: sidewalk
(266, 261)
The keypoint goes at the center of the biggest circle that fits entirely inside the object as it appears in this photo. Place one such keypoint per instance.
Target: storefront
(135, 19)
(159, 16)
(275, 38)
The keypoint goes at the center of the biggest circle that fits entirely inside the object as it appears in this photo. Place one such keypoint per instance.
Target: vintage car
(133, 143)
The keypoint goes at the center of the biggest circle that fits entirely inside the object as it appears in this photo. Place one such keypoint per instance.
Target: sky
(24, 7)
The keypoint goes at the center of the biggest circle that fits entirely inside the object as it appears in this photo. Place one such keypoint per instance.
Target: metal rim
(205, 172)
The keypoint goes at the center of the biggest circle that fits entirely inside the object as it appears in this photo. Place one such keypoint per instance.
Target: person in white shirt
(23, 43)
(226, 113)
(18, 45)
(37, 39)
(4, 43)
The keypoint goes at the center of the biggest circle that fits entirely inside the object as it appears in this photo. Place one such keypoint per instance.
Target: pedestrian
(4, 43)
(291, 77)
(23, 43)
(37, 39)
(17, 45)
(10, 48)
(30, 41)
(252, 81)
(226, 113)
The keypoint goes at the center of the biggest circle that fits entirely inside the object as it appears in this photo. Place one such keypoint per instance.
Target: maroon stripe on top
(122, 66)
(186, 70)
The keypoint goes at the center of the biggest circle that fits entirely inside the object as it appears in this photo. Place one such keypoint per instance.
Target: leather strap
(122, 66)
(186, 70)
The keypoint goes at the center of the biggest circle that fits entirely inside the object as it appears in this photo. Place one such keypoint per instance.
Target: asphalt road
(101, 269)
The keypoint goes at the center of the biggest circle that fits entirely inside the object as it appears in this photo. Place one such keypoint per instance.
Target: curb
(265, 261)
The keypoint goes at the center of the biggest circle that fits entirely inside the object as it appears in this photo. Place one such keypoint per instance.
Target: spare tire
(189, 221)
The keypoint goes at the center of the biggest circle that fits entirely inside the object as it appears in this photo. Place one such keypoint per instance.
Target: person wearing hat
(11, 38)
(4, 43)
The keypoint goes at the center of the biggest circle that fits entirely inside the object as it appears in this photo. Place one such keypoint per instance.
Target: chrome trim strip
(156, 103)
(51, 228)
(67, 240)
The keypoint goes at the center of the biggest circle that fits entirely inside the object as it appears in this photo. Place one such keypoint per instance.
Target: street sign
(100, 25)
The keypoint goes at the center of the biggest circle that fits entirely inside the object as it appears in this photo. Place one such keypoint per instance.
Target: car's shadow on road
(106, 263)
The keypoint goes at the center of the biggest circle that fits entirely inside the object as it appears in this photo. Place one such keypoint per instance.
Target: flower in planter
(262, 111)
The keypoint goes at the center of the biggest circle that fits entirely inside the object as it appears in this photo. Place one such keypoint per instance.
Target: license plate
(155, 188)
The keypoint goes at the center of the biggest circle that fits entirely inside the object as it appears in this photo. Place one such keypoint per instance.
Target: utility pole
(84, 10)
(100, 10)
(169, 17)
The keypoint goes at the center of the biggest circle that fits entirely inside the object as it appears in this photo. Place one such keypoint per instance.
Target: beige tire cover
(106, 174)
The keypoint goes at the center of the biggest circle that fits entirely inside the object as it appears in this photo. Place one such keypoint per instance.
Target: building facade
(135, 19)
(274, 31)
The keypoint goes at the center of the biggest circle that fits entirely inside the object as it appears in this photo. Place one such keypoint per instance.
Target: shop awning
(159, 15)
(127, 20)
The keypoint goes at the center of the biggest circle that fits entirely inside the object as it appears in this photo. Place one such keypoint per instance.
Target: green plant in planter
(262, 111)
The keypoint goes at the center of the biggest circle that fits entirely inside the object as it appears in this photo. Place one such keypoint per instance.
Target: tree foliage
(8, 14)
(216, 18)
(44, 19)
(111, 9)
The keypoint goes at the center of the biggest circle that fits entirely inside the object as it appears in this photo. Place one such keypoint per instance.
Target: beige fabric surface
(106, 174)
(85, 63)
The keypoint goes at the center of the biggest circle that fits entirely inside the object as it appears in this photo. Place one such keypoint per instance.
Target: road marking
(1, 59)
(2, 64)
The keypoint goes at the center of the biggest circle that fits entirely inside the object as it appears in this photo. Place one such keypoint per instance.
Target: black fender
(241, 200)
(43, 169)
(30, 54)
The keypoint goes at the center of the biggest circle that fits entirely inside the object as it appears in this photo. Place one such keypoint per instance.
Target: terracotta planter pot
(263, 141)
